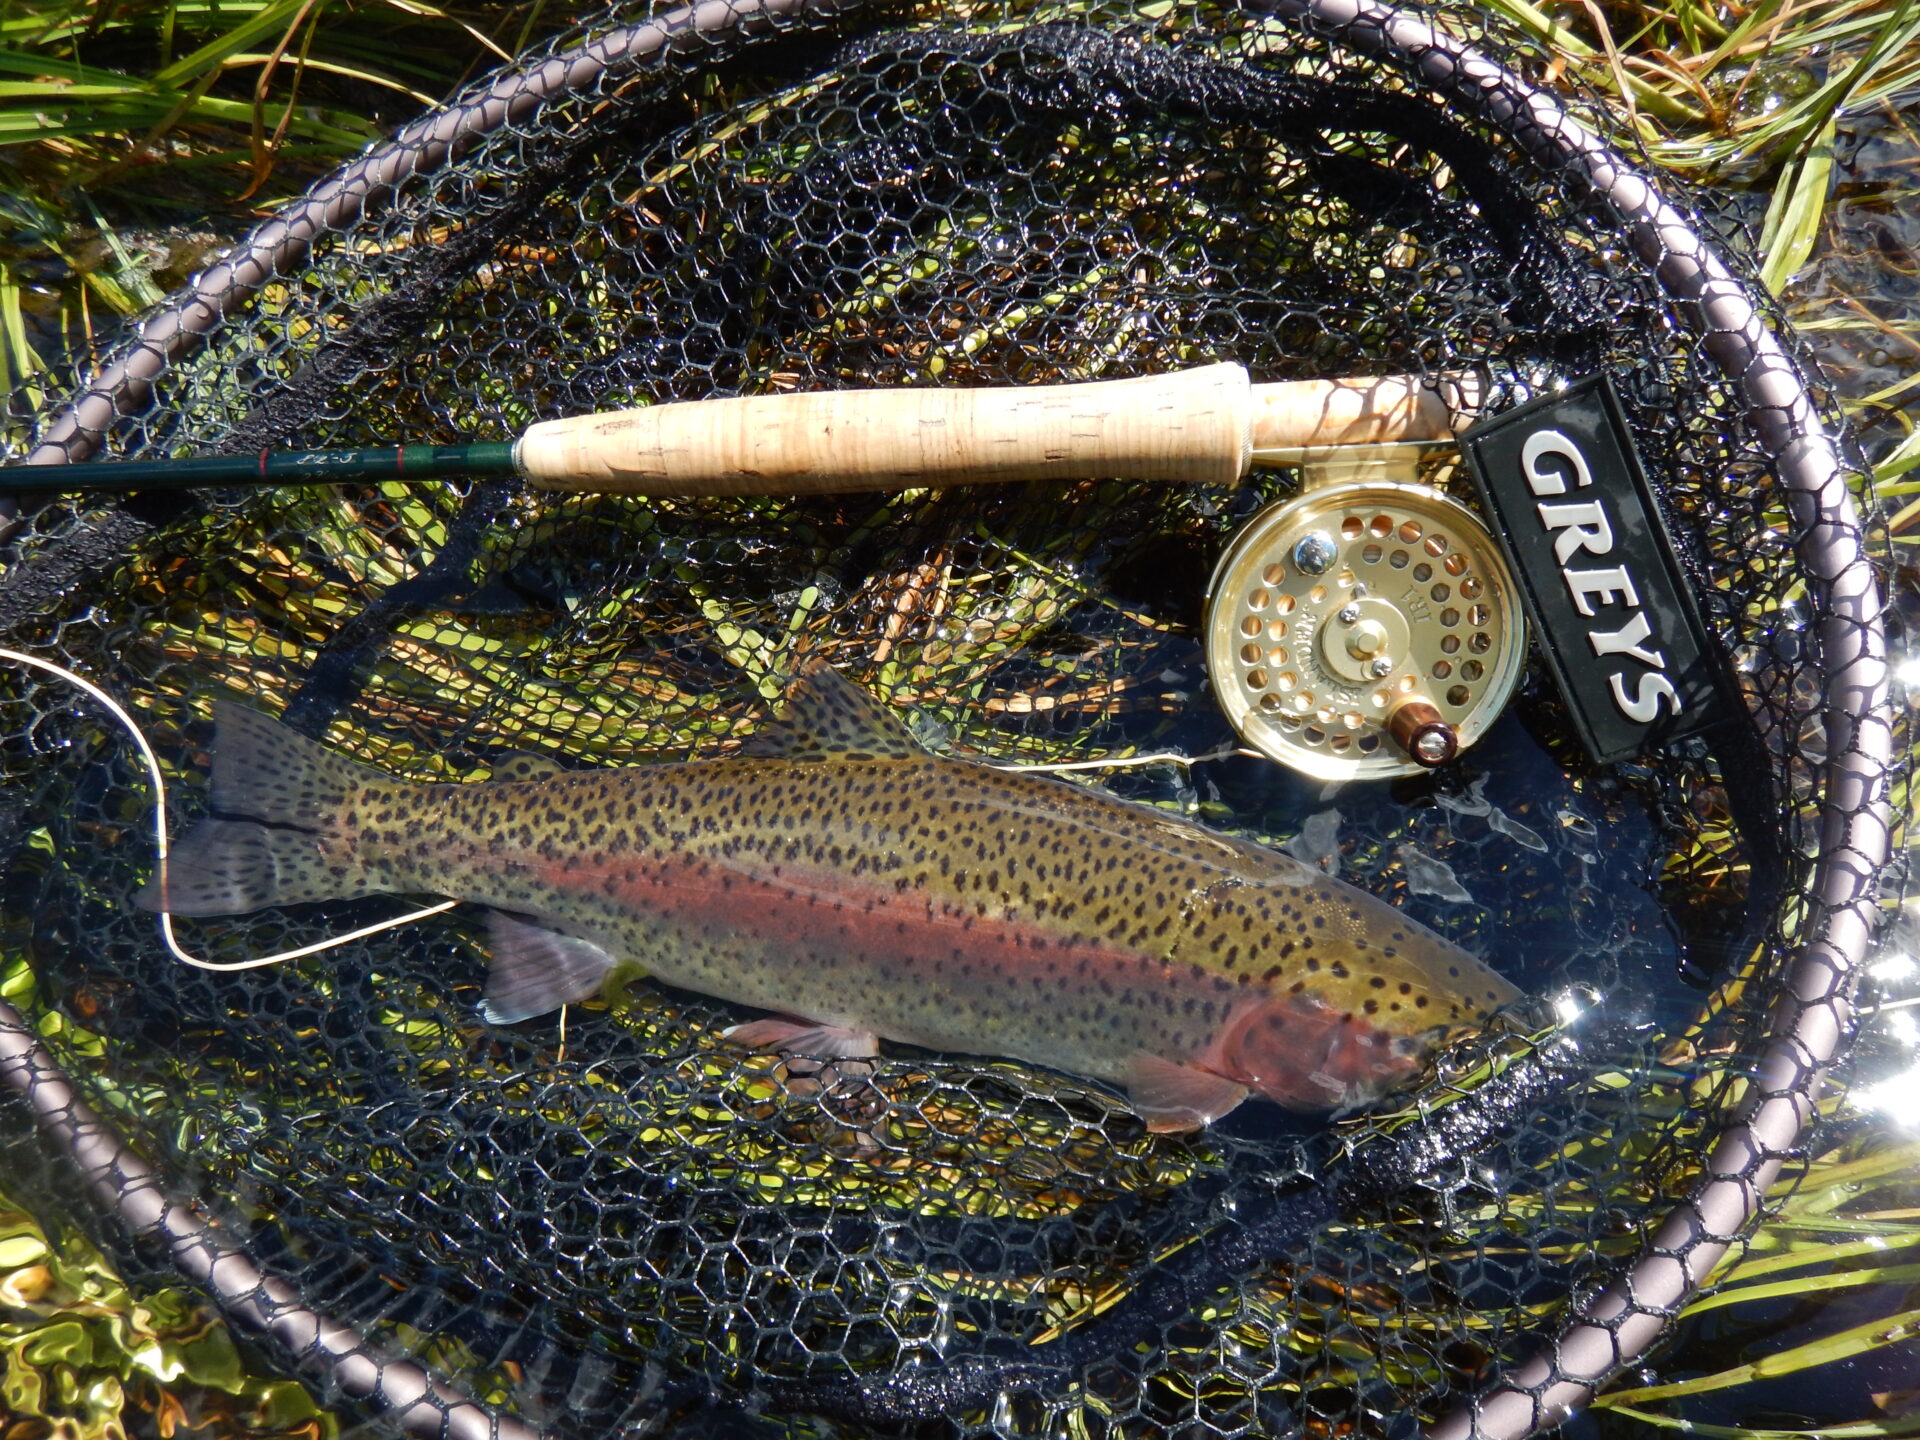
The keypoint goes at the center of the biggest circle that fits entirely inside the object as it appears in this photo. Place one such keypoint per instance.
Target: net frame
(1614, 1329)
(1606, 1333)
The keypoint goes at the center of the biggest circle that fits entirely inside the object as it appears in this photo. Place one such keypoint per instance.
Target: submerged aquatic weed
(86, 1356)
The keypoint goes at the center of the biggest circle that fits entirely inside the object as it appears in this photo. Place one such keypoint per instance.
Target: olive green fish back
(630, 1221)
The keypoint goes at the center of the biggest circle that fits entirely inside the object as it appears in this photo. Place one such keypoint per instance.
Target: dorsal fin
(825, 716)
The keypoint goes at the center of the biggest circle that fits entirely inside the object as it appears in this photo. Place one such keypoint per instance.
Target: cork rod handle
(1201, 425)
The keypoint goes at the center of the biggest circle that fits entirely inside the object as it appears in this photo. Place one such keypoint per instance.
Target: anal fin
(536, 970)
(802, 1037)
(1170, 1096)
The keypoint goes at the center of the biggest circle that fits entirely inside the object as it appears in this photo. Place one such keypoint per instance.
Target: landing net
(641, 1224)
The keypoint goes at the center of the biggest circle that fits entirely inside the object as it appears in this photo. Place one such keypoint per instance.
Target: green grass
(123, 120)
(1755, 100)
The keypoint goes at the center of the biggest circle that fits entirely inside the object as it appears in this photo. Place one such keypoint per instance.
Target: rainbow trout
(837, 874)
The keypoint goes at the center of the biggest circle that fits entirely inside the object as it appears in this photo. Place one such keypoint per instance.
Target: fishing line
(154, 776)
(1130, 762)
(151, 760)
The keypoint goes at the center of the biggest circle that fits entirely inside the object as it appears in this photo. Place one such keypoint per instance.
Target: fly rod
(1206, 425)
(1320, 655)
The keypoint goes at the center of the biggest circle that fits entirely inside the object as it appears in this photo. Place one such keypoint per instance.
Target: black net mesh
(635, 1220)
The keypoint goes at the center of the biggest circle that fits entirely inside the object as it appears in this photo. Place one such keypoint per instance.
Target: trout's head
(1367, 1031)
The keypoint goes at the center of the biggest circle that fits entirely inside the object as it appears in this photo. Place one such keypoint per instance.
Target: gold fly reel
(1363, 630)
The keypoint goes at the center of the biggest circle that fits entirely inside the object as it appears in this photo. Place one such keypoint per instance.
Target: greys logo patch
(1570, 502)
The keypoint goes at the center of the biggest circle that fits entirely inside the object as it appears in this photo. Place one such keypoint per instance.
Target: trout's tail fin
(273, 840)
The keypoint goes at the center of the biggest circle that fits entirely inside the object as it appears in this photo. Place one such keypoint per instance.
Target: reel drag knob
(1363, 630)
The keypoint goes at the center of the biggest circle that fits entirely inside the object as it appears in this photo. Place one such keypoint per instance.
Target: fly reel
(1364, 629)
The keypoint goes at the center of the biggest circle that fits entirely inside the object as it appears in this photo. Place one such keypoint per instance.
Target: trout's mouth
(1416, 1052)
(1430, 1042)
(1363, 1065)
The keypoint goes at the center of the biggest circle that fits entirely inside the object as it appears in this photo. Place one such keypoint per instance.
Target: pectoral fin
(536, 970)
(798, 1037)
(1170, 1096)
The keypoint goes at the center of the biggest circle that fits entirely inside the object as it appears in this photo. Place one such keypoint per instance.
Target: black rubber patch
(1615, 617)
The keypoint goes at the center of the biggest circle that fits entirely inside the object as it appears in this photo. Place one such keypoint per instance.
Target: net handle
(1614, 1329)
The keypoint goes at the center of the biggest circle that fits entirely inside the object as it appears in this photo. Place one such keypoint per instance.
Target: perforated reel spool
(1363, 630)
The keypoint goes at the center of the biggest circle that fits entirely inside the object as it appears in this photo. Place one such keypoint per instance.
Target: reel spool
(1365, 629)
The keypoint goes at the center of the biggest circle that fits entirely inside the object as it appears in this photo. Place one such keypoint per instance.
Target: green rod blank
(268, 467)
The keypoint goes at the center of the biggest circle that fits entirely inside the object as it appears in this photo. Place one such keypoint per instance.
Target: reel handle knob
(1422, 732)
